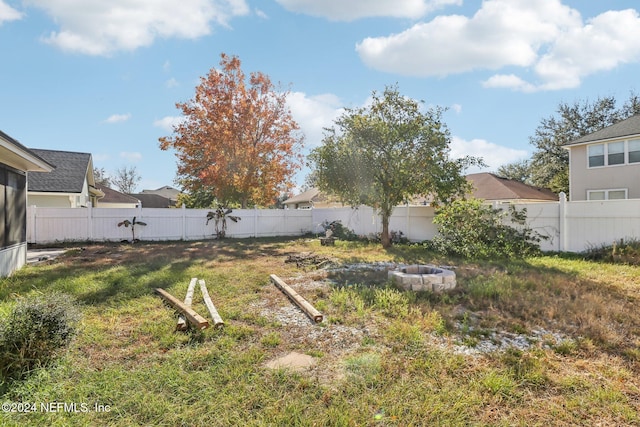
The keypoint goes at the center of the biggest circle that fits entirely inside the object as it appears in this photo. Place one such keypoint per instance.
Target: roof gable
(624, 128)
(69, 175)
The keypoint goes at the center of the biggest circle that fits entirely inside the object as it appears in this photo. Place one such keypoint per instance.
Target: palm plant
(220, 216)
(133, 224)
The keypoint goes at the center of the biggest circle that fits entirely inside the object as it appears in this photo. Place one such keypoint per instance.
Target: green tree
(386, 153)
(549, 165)
(518, 171)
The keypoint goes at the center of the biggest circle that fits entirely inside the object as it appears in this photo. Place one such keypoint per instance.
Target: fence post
(562, 223)
(90, 221)
(184, 222)
(255, 221)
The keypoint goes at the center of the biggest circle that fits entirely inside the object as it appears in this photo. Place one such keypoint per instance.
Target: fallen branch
(217, 320)
(194, 318)
(295, 297)
(188, 300)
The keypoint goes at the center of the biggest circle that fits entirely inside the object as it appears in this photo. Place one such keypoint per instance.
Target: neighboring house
(154, 200)
(70, 185)
(605, 165)
(15, 161)
(492, 188)
(312, 198)
(115, 199)
(486, 186)
(166, 192)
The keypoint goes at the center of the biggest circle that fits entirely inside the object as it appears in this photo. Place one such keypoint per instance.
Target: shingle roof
(68, 176)
(153, 200)
(305, 197)
(628, 127)
(113, 196)
(491, 187)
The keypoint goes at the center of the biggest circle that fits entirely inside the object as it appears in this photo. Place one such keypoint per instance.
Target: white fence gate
(570, 226)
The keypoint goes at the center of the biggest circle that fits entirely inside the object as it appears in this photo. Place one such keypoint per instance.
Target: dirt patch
(293, 361)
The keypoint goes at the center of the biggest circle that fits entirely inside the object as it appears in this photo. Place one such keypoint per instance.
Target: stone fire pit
(423, 278)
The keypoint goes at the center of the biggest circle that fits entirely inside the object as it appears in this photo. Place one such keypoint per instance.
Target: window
(13, 217)
(596, 155)
(634, 151)
(615, 153)
(614, 194)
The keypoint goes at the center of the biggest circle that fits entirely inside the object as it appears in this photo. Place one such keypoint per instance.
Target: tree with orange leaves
(238, 139)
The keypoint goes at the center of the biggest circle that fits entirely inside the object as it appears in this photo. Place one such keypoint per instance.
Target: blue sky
(104, 76)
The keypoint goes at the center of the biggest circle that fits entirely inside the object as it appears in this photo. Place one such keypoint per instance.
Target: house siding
(584, 178)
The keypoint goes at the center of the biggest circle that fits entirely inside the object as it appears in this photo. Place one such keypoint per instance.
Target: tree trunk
(384, 237)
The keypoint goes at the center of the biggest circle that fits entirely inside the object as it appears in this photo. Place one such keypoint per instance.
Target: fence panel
(584, 225)
(595, 223)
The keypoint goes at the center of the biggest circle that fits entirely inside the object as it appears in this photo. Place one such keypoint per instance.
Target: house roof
(166, 191)
(113, 196)
(628, 127)
(488, 186)
(153, 200)
(311, 195)
(69, 175)
(16, 155)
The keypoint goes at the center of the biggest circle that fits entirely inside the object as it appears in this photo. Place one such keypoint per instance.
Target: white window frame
(605, 146)
(606, 193)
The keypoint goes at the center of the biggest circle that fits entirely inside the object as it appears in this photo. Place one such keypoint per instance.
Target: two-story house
(605, 165)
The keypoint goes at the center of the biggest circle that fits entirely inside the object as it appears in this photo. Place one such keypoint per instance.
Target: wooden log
(217, 320)
(194, 318)
(188, 300)
(296, 298)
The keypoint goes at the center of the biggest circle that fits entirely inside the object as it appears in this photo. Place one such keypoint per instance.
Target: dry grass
(383, 357)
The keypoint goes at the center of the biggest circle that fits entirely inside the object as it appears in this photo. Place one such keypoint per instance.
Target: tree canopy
(549, 164)
(238, 140)
(386, 153)
(126, 179)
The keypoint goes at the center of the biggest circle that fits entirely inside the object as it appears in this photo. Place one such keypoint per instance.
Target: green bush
(473, 229)
(34, 332)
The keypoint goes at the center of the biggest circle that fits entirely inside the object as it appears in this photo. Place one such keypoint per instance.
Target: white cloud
(457, 108)
(7, 13)
(544, 36)
(131, 156)
(167, 123)
(313, 114)
(341, 10)
(117, 118)
(493, 155)
(261, 14)
(171, 83)
(97, 27)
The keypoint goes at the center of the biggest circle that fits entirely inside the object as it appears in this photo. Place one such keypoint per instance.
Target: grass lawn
(381, 357)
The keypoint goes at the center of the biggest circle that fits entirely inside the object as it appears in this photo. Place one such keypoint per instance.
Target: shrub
(34, 332)
(473, 229)
(620, 252)
(339, 231)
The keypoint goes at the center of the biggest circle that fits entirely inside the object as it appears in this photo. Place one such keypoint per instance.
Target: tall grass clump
(34, 332)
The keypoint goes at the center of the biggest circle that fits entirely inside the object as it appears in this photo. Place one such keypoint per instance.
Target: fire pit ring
(423, 278)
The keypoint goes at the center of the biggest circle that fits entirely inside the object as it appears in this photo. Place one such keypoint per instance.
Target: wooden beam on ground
(217, 320)
(194, 318)
(295, 297)
(188, 300)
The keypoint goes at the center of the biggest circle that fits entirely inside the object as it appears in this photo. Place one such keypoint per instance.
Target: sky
(104, 76)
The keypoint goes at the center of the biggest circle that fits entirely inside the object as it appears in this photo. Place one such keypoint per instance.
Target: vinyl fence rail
(569, 226)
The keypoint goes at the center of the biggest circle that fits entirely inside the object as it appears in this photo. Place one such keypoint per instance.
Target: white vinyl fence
(569, 226)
